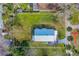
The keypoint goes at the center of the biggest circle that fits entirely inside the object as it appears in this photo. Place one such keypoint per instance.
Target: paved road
(3, 42)
(3, 45)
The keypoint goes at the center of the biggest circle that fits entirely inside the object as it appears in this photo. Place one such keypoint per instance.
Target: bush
(7, 36)
(70, 18)
(69, 29)
(19, 48)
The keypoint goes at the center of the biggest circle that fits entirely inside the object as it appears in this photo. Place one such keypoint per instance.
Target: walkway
(64, 41)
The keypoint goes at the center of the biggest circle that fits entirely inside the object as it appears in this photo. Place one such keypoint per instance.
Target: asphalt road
(3, 45)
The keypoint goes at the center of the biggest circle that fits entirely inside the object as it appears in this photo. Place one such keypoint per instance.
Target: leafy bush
(69, 29)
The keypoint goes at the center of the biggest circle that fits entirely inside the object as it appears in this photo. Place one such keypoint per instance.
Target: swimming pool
(44, 31)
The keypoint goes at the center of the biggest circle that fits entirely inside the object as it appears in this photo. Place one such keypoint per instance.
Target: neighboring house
(1, 21)
(77, 5)
(19, 10)
(35, 7)
(45, 7)
(44, 35)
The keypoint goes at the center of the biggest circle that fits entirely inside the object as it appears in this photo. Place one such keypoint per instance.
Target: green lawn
(75, 15)
(24, 22)
(49, 51)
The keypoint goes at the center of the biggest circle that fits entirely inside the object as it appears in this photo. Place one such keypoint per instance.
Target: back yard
(23, 23)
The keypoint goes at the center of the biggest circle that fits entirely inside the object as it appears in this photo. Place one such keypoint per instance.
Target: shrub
(7, 36)
(69, 29)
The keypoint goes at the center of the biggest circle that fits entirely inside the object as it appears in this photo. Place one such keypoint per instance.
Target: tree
(68, 47)
(70, 18)
(70, 38)
(10, 6)
(24, 43)
(19, 48)
(69, 29)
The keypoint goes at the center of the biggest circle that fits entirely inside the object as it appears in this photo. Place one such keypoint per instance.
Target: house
(35, 7)
(46, 7)
(44, 35)
(19, 10)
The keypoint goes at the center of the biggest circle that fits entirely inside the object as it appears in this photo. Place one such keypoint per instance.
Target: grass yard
(23, 23)
(75, 15)
(45, 44)
(48, 51)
